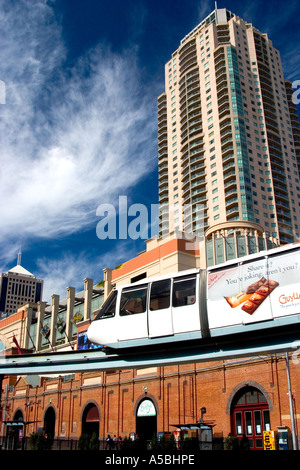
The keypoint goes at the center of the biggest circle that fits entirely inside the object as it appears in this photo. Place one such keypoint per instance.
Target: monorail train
(246, 294)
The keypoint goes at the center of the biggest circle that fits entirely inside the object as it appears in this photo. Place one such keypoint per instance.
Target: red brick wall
(179, 392)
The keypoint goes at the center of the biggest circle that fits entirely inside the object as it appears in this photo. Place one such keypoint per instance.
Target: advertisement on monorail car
(254, 291)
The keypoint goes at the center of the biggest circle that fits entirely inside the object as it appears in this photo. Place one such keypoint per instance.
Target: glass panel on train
(133, 300)
(184, 291)
(109, 307)
(160, 294)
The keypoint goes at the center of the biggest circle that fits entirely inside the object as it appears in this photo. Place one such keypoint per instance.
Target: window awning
(19, 423)
(193, 426)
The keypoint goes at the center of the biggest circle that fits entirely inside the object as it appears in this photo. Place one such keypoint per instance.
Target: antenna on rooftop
(19, 258)
(216, 10)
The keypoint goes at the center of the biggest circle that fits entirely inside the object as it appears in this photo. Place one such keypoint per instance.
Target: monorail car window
(184, 291)
(160, 294)
(133, 300)
(108, 309)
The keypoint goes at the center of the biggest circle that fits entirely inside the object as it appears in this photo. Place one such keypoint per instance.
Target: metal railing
(190, 445)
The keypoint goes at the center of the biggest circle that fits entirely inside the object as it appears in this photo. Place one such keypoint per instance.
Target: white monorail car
(255, 292)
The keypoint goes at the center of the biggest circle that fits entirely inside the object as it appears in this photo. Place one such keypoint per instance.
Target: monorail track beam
(96, 360)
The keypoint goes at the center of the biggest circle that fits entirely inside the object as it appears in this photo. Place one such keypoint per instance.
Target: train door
(160, 310)
(132, 321)
(185, 304)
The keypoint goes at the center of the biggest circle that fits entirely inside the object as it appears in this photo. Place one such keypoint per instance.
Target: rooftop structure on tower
(18, 286)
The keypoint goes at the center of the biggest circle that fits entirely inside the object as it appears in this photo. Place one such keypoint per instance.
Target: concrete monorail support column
(28, 320)
(40, 320)
(107, 282)
(70, 309)
(88, 293)
(54, 313)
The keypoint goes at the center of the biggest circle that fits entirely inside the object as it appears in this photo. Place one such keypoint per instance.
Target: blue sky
(79, 124)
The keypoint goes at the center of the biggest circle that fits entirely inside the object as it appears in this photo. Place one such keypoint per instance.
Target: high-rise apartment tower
(229, 139)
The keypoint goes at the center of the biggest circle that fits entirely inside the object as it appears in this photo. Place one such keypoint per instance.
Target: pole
(1, 381)
(4, 413)
(293, 427)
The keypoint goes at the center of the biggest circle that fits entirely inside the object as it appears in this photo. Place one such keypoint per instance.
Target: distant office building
(18, 286)
(229, 140)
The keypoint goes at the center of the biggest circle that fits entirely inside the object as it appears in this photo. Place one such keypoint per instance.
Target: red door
(250, 417)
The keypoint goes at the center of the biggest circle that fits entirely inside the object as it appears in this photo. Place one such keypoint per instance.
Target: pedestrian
(115, 442)
(244, 443)
(108, 442)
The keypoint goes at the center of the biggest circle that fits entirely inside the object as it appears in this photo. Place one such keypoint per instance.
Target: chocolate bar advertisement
(254, 291)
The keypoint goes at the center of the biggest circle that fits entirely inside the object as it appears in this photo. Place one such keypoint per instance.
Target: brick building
(238, 393)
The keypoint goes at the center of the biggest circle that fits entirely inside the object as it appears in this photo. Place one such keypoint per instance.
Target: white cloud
(58, 274)
(291, 62)
(70, 269)
(70, 139)
(205, 7)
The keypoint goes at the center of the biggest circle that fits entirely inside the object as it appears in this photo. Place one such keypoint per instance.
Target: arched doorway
(146, 420)
(49, 422)
(15, 430)
(90, 420)
(250, 416)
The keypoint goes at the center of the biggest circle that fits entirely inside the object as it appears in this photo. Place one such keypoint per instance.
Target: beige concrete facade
(227, 133)
(161, 256)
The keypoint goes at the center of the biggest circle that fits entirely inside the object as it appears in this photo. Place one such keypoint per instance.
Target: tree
(83, 443)
(231, 443)
(87, 442)
(40, 441)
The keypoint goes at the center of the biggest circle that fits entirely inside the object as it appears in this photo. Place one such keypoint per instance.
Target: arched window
(146, 420)
(18, 416)
(146, 408)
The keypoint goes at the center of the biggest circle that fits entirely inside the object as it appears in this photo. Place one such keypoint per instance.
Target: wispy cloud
(58, 274)
(70, 138)
(204, 8)
(70, 269)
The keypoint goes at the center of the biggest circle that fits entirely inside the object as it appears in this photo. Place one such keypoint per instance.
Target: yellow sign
(269, 440)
